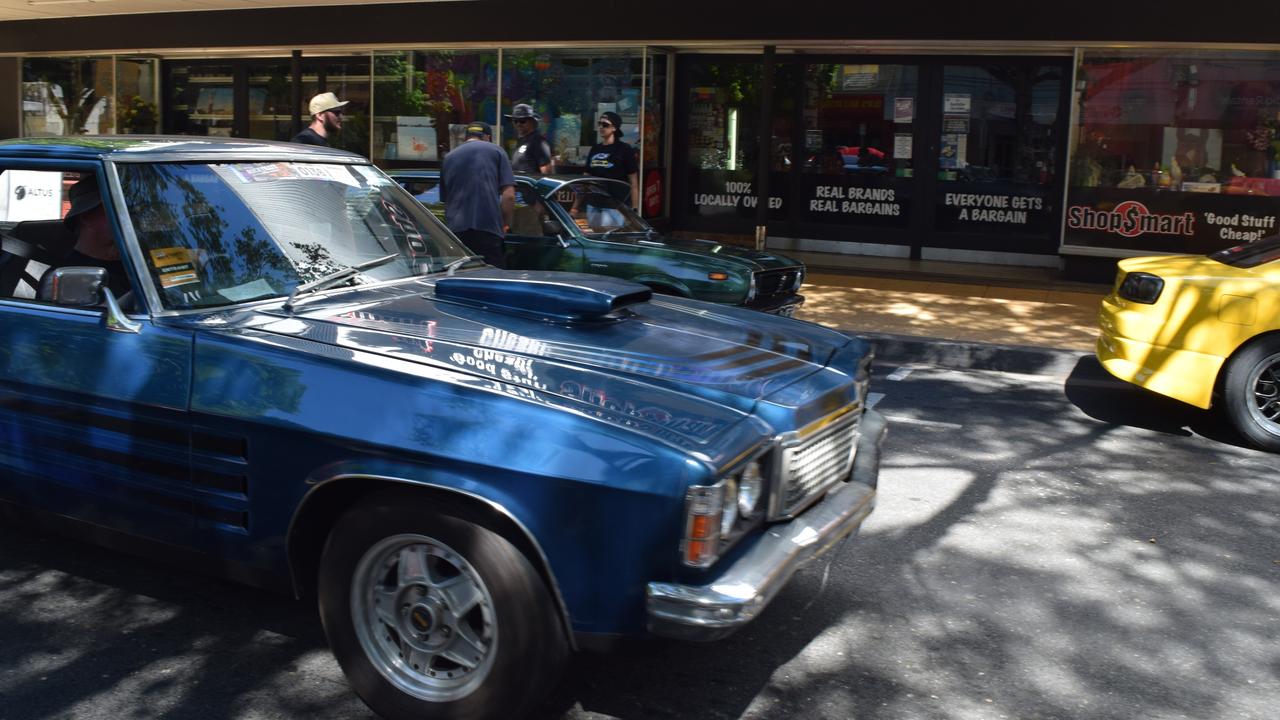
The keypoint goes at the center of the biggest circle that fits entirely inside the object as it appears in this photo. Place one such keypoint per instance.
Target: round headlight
(750, 489)
(729, 515)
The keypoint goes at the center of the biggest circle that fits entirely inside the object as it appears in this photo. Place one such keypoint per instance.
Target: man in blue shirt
(478, 191)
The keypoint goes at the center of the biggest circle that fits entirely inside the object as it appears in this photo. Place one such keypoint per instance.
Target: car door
(93, 419)
(537, 239)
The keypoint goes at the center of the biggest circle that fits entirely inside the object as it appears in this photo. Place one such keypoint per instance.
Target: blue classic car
(269, 361)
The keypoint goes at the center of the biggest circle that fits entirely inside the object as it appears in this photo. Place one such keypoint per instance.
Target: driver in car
(95, 244)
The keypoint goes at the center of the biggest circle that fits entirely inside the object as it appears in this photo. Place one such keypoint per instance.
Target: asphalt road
(1057, 546)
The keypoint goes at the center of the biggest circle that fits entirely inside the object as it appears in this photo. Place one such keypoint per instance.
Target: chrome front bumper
(785, 306)
(741, 592)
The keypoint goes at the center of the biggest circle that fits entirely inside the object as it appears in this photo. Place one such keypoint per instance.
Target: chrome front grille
(810, 465)
(775, 284)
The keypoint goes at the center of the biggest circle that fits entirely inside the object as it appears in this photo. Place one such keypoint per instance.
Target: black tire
(1251, 393)
(513, 628)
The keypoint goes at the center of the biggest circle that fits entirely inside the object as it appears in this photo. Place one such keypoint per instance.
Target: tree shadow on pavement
(1034, 559)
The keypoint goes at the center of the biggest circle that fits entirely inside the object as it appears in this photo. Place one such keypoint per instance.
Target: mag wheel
(1251, 391)
(432, 616)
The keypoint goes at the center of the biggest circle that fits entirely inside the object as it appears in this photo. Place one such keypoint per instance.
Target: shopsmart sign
(1131, 219)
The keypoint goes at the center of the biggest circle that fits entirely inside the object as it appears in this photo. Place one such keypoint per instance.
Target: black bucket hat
(84, 197)
(523, 111)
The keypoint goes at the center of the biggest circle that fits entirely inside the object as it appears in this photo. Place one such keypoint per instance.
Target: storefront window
(722, 109)
(200, 99)
(67, 96)
(254, 98)
(422, 101)
(1175, 151)
(998, 150)
(137, 95)
(857, 143)
(569, 89)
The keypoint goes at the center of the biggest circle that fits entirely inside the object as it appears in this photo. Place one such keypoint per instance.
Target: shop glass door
(999, 140)
(856, 167)
(718, 101)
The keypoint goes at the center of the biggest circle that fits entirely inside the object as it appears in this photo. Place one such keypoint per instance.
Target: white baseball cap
(324, 102)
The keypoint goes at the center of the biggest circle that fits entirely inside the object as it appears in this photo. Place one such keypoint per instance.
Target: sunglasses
(334, 112)
(605, 124)
(521, 121)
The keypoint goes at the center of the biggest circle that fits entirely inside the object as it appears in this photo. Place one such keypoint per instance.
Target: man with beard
(532, 154)
(326, 120)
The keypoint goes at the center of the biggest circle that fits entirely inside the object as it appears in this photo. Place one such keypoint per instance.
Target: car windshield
(219, 234)
(597, 210)
(1250, 254)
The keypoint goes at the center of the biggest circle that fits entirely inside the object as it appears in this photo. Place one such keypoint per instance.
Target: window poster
(904, 109)
(955, 124)
(902, 146)
(415, 138)
(566, 138)
(951, 155)
(859, 77)
(957, 104)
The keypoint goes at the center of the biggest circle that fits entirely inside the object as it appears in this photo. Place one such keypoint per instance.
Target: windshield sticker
(256, 289)
(264, 172)
(174, 266)
(582, 223)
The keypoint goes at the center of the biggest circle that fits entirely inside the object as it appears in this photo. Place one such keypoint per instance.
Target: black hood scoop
(548, 295)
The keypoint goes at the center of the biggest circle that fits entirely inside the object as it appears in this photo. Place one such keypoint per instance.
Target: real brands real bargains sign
(1161, 221)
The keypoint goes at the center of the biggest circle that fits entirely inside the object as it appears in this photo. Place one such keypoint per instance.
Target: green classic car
(574, 223)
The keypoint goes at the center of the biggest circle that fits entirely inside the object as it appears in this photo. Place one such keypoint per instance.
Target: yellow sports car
(1203, 330)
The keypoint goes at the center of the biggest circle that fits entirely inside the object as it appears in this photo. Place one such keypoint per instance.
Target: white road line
(873, 398)
(923, 423)
(899, 374)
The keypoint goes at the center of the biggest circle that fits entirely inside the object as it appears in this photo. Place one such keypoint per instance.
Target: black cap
(84, 197)
(478, 129)
(615, 120)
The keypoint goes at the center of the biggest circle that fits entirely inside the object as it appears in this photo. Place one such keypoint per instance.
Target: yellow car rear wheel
(1251, 392)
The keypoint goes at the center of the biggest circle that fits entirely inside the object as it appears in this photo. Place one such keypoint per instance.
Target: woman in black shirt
(611, 158)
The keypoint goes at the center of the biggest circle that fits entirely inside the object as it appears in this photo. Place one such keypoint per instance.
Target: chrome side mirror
(85, 287)
(73, 286)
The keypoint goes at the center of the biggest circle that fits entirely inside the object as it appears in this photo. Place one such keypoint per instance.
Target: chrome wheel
(423, 617)
(1264, 382)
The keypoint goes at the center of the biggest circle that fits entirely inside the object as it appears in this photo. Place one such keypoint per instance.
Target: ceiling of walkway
(47, 9)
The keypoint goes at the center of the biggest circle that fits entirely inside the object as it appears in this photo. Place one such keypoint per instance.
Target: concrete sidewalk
(961, 322)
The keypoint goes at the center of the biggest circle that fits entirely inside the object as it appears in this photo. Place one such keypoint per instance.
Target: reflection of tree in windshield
(189, 207)
(316, 262)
